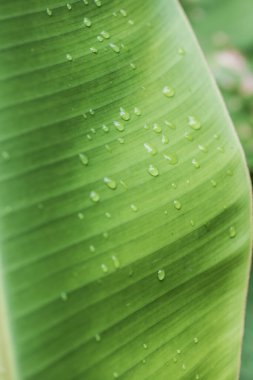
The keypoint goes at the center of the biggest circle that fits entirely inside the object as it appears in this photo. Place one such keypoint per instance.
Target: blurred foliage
(224, 29)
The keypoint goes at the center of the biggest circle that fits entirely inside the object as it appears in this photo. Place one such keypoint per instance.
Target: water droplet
(161, 274)
(192, 223)
(157, 128)
(69, 6)
(150, 149)
(97, 337)
(197, 377)
(133, 66)
(100, 38)
(177, 205)
(137, 111)
(87, 22)
(92, 248)
(230, 172)
(169, 124)
(178, 351)
(108, 148)
(195, 340)
(115, 375)
(108, 215)
(94, 50)
(216, 136)
(91, 111)
(123, 12)
(131, 22)
(69, 57)
(232, 232)
(203, 148)
(213, 182)
(104, 268)
(146, 126)
(143, 361)
(84, 159)
(188, 136)
(98, 3)
(172, 158)
(183, 367)
(195, 163)
(105, 128)
(181, 51)
(86, 2)
(89, 137)
(145, 346)
(94, 196)
(165, 139)
(116, 262)
(64, 296)
(124, 114)
(194, 123)
(5, 155)
(220, 149)
(169, 92)
(49, 12)
(80, 215)
(173, 185)
(114, 47)
(110, 183)
(134, 208)
(121, 140)
(84, 116)
(123, 183)
(105, 34)
(175, 360)
(120, 127)
(152, 170)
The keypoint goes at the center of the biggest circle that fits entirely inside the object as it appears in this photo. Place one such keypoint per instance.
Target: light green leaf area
(125, 199)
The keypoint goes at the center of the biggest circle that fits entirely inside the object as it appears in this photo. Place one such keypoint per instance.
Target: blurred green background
(225, 31)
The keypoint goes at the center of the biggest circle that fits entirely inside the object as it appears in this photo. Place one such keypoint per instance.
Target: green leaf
(125, 199)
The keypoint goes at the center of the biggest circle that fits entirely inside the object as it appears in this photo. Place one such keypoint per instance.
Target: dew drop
(94, 196)
(173, 185)
(104, 268)
(5, 155)
(195, 163)
(100, 38)
(220, 149)
(120, 127)
(105, 34)
(197, 377)
(98, 3)
(161, 274)
(80, 215)
(123, 12)
(97, 337)
(86, 2)
(177, 205)
(153, 171)
(232, 232)
(131, 22)
(93, 130)
(105, 128)
(137, 111)
(69, 57)
(157, 128)
(165, 139)
(87, 22)
(169, 124)
(49, 12)
(169, 92)
(195, 340)
(171, 158)
(178, 351)
(69, 6)
(213, 183)
(124, 114)
(94, 50)
(145, 346)
(121, 140)
(84, 159)
(133, 66)
(150, 149)
(89, 137)
(108, 215)
(134, 208)
(183, 367)
(194, 123)
(115, 375)
(230, 172)
(188, 136)
(64, 296)
(146, 126)
(181, 51)
(110, 183)
(105, 235)
(84, 116)
(108, 148)
(91, 111)
(116, 262)
(203, 148)
(175, 360)
(192, 223)
(114, 47)
(92, 248)
(123, 183)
